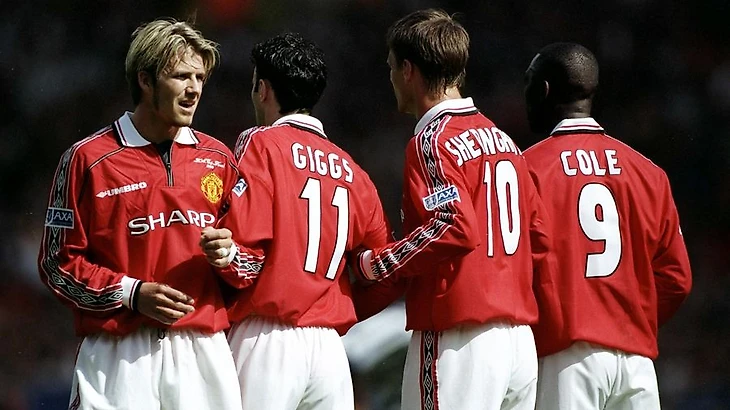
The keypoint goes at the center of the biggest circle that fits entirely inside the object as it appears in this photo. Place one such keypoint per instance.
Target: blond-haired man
(120, 241)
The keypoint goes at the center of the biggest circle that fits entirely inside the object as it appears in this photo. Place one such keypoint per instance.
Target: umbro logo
(122, 189)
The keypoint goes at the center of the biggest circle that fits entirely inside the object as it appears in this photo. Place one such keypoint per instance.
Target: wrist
(130, 292)
(365, 264)
(232, 251)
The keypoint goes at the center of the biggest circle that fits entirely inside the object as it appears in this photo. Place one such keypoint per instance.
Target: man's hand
(216, 245)
(163, 303)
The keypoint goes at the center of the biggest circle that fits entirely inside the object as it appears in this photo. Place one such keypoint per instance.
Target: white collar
(577, 125)
(130, 137)
(302, 121)
(455, 105)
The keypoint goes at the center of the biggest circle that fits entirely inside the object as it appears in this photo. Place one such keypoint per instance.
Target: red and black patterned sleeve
(249, 217)
(63, 263)
(439, 192)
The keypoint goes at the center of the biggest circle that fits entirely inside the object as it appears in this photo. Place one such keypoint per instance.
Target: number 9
(606, 229)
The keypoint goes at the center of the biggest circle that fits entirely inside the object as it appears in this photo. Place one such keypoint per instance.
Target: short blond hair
(160, 43)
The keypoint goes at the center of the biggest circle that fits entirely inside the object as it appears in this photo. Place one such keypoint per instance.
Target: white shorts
(282, 367)
(154, 370)
(491, 366)
(586, 376)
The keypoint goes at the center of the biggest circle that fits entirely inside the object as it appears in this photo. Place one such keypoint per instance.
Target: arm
(438, 191)
(370, 298)
(64, 265)
(672, 273)
(237, 248)
(540, 228)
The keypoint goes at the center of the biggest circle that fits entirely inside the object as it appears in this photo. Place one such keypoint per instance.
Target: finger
(175, 295)
(183, 307)
(213, 234)
(215, 254)
(169, 315)
(218, 262)
(218, 243)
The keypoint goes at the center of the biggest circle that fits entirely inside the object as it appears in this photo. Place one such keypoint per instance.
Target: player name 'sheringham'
(490, 141)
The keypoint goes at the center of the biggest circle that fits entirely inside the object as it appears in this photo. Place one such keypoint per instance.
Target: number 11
(312, 192)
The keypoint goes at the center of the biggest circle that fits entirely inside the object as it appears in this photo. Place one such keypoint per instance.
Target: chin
(183, 120)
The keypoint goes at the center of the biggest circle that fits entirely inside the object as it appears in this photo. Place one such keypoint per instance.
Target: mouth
(188, 105)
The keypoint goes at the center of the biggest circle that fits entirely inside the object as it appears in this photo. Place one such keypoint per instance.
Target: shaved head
(560, 83)
(571, 70)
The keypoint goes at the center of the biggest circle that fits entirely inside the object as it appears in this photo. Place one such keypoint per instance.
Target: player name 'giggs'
(587, 163)
(474, 143)
(304, 157)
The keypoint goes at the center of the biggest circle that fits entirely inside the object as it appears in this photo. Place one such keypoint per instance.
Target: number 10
(505, 184)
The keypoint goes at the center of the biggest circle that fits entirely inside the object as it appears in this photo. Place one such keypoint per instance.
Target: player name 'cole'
(588, 164)
(474, 143)
(317, 161)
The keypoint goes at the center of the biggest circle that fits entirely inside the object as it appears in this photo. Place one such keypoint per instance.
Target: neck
(578, 109)
(426, 102)
(150, 127)
(273, 114)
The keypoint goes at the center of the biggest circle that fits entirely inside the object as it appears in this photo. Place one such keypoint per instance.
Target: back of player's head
(157, 46)
(570, 69)
(435, 43)
(295, 68)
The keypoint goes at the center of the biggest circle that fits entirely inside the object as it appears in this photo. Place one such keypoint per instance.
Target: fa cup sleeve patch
(441, 197)
(60, 218)
(240, 187)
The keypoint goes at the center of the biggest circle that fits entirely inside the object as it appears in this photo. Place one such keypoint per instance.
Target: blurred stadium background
(665, 89)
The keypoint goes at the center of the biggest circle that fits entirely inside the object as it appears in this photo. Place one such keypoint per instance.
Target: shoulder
(93, 147)
(637, 156)
(254, 135)
(539, 147)
(208, 142)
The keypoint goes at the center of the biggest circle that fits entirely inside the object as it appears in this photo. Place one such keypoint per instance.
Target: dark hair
(570, 69)
(435, 43)
(295, 68)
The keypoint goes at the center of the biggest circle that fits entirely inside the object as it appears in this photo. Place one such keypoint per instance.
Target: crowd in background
(664, 89)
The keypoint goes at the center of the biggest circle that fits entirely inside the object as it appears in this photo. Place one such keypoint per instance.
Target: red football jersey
(475, 222)
(302, 204)
(622, 266)
(117, 212)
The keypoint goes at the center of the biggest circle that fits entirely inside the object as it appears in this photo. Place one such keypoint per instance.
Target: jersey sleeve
(672, 274)
(64, 260)
(377, 231)
(249, 216)
(231, 180)
(370, 298)
(440, 195)
(540, 227)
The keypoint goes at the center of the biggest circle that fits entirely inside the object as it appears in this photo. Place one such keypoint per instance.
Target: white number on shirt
(312, 192)
(508, 205)
(603, 228)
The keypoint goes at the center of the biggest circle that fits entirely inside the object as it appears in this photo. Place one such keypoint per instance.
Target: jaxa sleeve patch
(441, 197)
(60, 218)
(240, 187)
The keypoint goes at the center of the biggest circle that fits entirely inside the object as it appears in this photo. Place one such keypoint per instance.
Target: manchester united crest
(212, 187)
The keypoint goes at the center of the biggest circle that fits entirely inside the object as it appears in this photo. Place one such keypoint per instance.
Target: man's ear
(264, 90)
(546, 89)
(408, 70)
